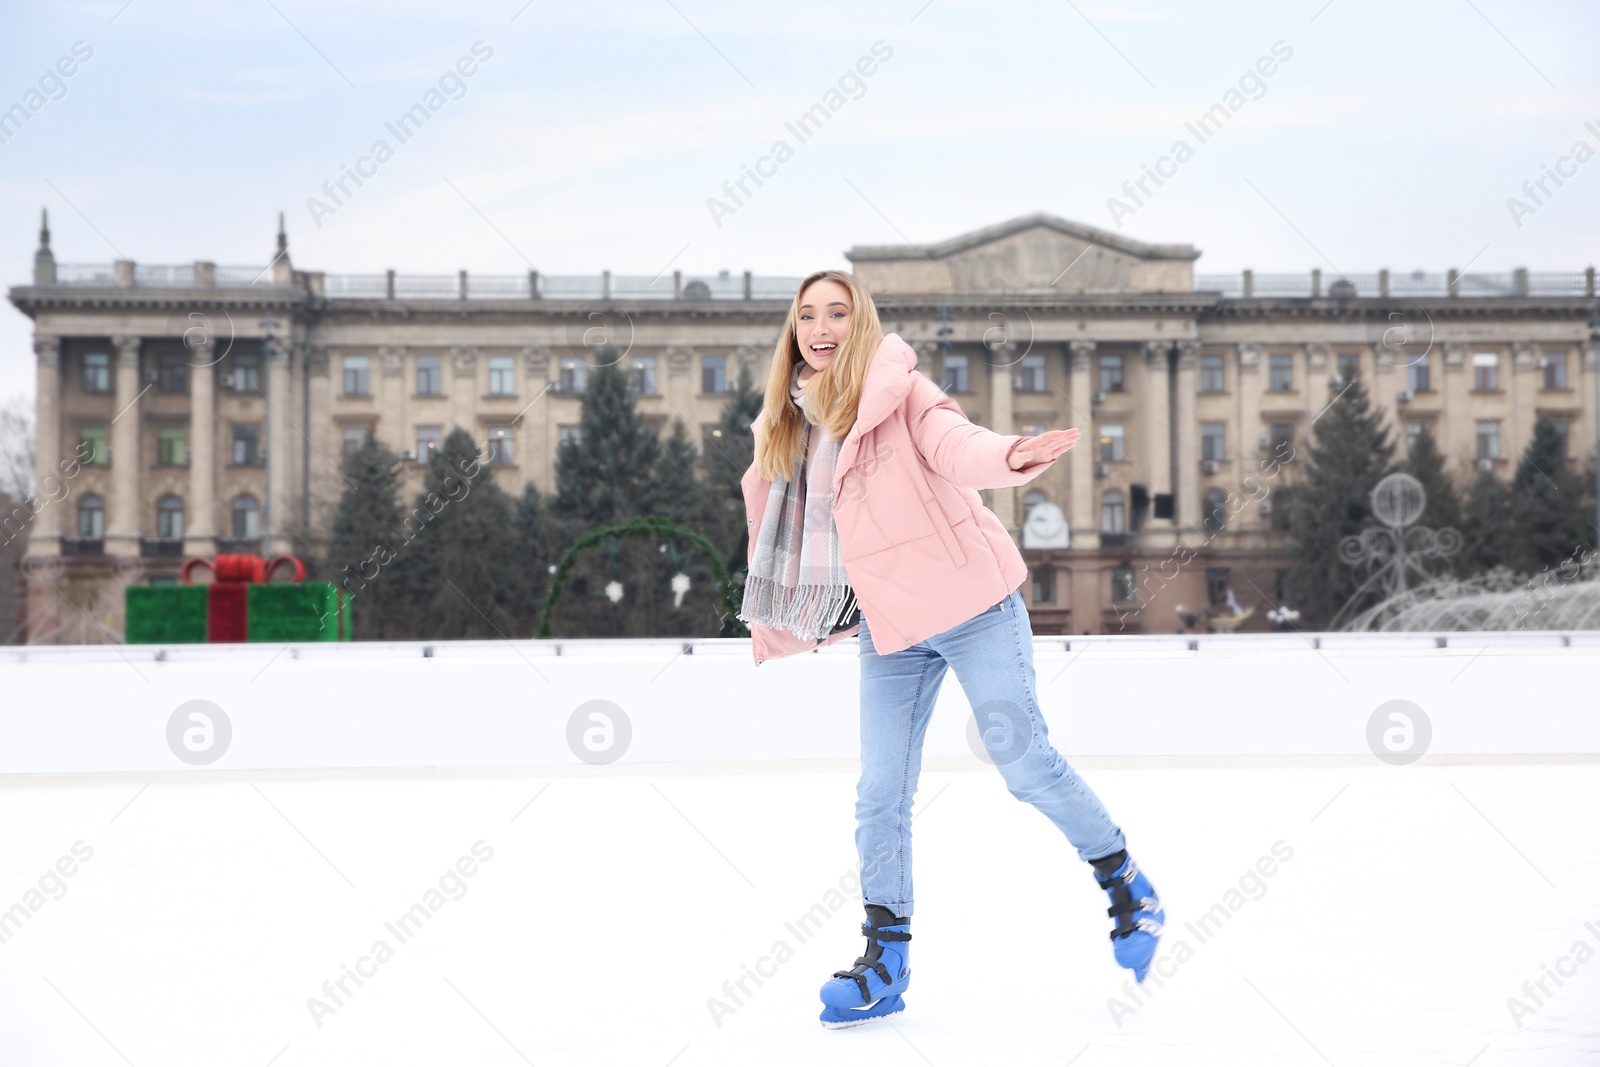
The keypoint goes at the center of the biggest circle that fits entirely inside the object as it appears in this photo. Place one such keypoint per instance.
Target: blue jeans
(992, 654)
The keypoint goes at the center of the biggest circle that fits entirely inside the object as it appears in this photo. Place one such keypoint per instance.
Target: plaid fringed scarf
(796, 581)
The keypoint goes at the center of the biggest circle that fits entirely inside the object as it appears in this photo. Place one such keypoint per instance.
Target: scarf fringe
(805, 610)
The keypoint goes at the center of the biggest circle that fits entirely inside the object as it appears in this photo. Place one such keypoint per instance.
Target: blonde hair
(835, 390)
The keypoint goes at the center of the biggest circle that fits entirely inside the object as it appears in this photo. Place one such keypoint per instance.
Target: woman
(864, 519)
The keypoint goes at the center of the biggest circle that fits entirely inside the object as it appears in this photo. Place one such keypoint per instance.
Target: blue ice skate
(1135, 908)
(871, 989)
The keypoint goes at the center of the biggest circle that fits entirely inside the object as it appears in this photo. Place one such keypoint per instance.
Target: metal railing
(726, 285)
(1333, 285)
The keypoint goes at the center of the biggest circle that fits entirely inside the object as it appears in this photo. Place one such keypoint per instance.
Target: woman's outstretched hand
(1041, 448)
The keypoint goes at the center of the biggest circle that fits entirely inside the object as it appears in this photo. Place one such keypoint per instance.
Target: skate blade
(844, 1018)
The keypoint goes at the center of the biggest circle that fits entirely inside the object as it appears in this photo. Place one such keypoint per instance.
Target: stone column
(281, 447)
(681, 387)
(391, 429)
(1187, 429)
(122, 516)
(1082, 518)
(464, 390)
(1455, 432)
(1523, 391)
(44, 535)
(200, 516)
(1156, 459)
(1003, 360)
(534, 425)
(1251, 430)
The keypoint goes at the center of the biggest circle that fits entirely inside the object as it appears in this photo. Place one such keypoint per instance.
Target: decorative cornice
(1249, 357)
(536, 361)
(464, 360)
(679, 359)
(1079, 353)
(1318, 354)
(1525, 355)
(392, 360)
(1455, 353)
(1011, 227)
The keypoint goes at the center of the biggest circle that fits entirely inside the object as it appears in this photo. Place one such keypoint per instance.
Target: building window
(1122, 588)
(1488, 439)
(1213, 440)
(1349, 365)
(1044, 585)
(571, 374)
(955, 375)
(713, 375)
(1111, 380)
(1555, 370)
(1217, 585)
(1280, 373)
(246, 445)
(1211, 374)
(96, 372)
(170, 445)
(170, 376)
(569, 433)
(169, 518)
(1111, 443)
(246, 373)
(1214, 510)
(1032, 377)
(91, 516)
(502, 376)
(355, 376)
(246, 516)
(430, 375)
(1418, 379)
(429, 438)
(1414, 429)
(1281, 436)
(1485, 370)
(1113, 513)
(502, 446)
(353, 438)
(92, 445)
(642, 375)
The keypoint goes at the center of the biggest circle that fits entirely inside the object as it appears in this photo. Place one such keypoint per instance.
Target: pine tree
(1550, 504)
(1442, 510)
(1487, 528)
(362, 542)
(728, 455)
(604, 476)
(539, 539)
(461, 565)
(676, 493)
(1349, 454)
(1425, 463)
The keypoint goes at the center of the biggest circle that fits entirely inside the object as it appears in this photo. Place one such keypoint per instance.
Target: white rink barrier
(509, 704)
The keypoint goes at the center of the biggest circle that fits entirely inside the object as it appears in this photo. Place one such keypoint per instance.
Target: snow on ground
(605, 909)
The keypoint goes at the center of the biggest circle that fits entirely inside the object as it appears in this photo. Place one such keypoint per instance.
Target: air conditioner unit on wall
(1264, 441)
(1210, 466)
(1405, 396)
(1486, 464)
(1097, 397)
(227, 381)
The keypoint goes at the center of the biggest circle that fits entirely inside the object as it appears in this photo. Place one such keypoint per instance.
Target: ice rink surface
(610, 916)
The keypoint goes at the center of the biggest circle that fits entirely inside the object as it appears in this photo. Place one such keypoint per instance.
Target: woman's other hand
(1041, 448)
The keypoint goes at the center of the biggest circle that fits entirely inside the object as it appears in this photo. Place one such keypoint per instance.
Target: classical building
(199, 408)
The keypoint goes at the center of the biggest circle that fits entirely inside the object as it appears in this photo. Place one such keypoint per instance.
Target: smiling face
(823, 324)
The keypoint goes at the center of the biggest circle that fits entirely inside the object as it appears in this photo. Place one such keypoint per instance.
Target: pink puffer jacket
(922, 552)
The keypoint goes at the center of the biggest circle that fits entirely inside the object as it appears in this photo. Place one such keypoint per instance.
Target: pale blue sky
(594, 135)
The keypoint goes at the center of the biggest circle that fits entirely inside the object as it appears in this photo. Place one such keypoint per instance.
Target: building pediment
(1033, 253)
